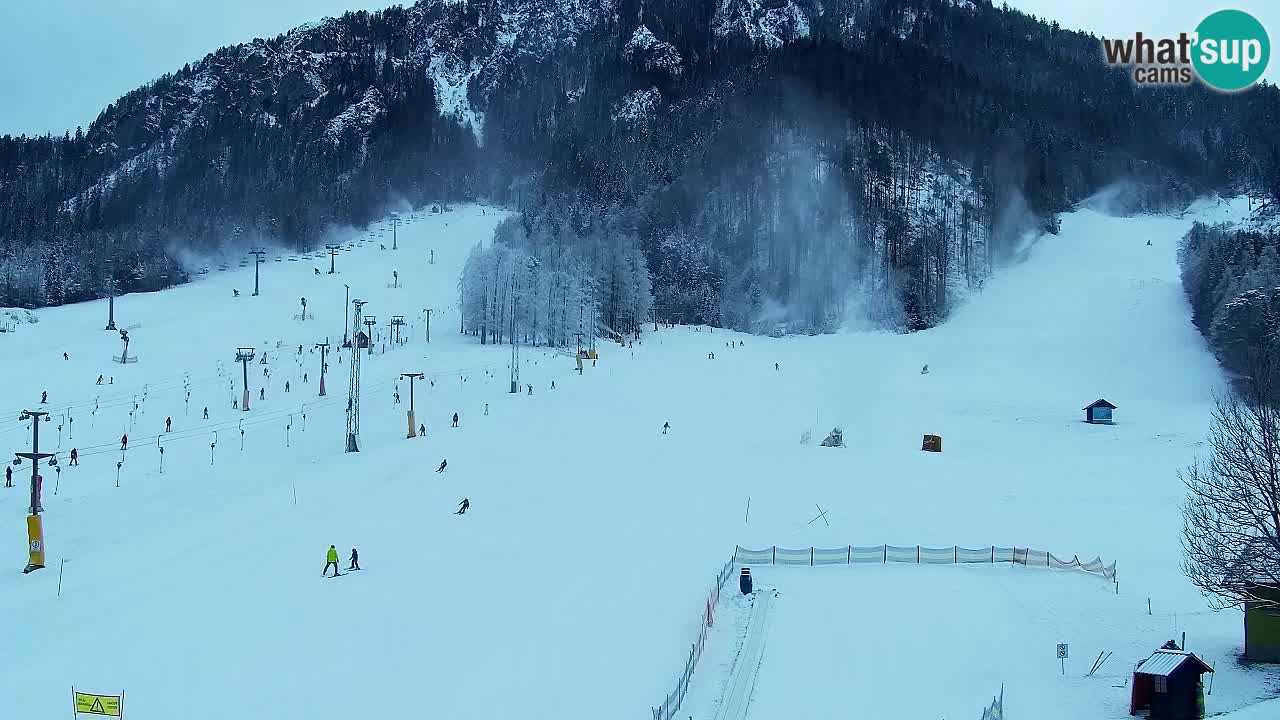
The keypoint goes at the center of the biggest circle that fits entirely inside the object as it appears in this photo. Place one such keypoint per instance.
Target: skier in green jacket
(331, 559)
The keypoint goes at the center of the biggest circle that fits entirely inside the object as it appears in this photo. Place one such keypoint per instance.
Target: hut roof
(1099, 403)
(1164, 662)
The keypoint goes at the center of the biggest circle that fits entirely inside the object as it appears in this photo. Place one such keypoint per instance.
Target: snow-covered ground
(573, 587)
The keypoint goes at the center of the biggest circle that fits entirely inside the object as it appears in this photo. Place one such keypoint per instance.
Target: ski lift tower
(324, 350)
(333, 251)
(353, 391)
(369, 322)
(111, 298)
(243, 356)
(35, 532)
(345, 318)
(258, 254)
(397, 322)
(412, 376)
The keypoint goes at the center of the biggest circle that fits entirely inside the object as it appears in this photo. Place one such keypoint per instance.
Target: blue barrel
(744, 581)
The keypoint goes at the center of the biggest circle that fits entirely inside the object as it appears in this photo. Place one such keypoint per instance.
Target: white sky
(62, 61)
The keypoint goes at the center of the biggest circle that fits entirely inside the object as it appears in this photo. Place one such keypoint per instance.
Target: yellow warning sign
(98, 704)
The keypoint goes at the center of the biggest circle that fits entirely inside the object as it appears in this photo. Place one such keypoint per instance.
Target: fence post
(993, 554)
(810, 556)
(775, 555)
(917, 554)
(955, 554)
(849, 560)
(886, 553)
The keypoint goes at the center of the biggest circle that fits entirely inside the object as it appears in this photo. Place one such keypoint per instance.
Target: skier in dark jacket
(422, 430)
(44, 397)
(8, 476)
(443, 464)
(168, 424)
(206, 412)
(124, 441)
(455, 419)
(463, 507)
(355, 560)
(75, 457)
(665, 427)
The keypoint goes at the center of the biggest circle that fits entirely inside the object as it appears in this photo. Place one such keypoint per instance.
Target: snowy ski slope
(572, 588)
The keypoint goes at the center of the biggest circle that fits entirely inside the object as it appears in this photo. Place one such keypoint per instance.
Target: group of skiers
(331, 558)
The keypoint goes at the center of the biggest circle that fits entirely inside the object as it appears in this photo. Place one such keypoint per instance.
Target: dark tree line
(1232, 279)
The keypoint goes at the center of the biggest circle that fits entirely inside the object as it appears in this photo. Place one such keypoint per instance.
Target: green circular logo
(1232, 50)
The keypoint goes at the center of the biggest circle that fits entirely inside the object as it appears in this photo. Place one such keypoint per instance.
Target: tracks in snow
(746, 667)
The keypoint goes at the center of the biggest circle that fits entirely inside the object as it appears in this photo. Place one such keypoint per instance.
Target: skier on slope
(99, 380)
(443, 464)
(75, 457)
(286, 386)
(355, 560)
(463, 507)
(331, 558)
(665, 427)
(124, 441)
(455, 419)
(168, 424)
(66, 356)
(44, 397)
(8, 476)
(925, 370)
(206, 412)
(262, 393)
(304, 377)
(422, 430)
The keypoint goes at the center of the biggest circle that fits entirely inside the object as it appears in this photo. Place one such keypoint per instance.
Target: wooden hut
(1166, 686)
(1099, 412)
(1262, 625)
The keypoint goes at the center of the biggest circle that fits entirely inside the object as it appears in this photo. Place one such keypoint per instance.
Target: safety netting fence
(671, 703)
(919, 554)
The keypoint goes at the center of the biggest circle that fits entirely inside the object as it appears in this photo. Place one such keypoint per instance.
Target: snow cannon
(744, 581)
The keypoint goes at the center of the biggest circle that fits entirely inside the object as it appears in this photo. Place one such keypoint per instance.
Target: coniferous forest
(778, 166)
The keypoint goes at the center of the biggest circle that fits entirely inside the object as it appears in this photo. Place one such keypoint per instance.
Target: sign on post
(1062, 657)
(91, 704)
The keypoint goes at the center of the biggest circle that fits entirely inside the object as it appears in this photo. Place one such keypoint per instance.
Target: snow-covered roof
(1164, 662)
(1099, 403)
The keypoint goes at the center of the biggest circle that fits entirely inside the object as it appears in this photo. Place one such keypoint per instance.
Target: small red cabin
(1167, 686)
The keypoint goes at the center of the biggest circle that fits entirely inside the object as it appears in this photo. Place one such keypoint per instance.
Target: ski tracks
(746, 668)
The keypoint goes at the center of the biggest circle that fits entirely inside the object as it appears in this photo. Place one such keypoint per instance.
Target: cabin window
(1162, 684)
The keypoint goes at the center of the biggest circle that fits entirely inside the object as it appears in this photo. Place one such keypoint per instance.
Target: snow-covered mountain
(797, 148)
